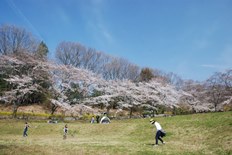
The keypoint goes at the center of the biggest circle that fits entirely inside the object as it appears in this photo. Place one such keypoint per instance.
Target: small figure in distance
(65, 131)
(98, 118)
(159, 132)
(92, 120)
(25, 129)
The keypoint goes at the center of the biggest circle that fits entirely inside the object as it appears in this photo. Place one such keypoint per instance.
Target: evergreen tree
(42, 50)
(146, 74)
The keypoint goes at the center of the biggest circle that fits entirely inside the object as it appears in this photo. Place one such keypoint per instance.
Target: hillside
(188, 134)
(27, 80)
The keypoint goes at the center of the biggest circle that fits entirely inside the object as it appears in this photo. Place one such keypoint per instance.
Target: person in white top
(158, 131)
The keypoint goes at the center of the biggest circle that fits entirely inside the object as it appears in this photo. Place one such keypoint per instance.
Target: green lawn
(188, 134)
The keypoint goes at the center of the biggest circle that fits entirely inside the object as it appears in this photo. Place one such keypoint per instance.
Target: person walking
(25, 129)
(159, 132)
(65, 131)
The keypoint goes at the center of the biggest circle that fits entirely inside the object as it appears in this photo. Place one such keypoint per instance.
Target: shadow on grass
(150, 144)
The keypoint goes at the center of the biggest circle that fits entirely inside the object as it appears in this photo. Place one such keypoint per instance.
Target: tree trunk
(108, 110)
(215, 107)
(153, 113)
(53, 109)
(15, 108)
(131, 111)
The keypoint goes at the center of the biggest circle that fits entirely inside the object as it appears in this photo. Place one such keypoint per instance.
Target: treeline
(20, 50)
(217, 90)
(15, 39)
(111, 68)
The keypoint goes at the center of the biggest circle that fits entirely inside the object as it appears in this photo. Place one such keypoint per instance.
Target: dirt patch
(28, 109)
(32, 109)
(6, 108)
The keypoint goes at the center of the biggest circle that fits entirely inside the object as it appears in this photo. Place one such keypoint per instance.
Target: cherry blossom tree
(27, 80)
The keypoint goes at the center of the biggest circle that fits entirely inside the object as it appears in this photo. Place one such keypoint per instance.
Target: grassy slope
(190, 134)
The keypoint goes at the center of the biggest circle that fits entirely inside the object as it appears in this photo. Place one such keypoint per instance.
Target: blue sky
(192, 38)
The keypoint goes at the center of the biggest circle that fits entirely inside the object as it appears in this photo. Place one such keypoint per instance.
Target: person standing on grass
(159, 132)
(97, 118)
(92, 120)
(65, 131)
(25, 129)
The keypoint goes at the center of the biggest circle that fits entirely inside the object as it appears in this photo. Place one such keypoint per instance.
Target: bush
(160, 109)
(4, 113)
(227, 107)
(181, 111)
(148, 113)
(87, 116)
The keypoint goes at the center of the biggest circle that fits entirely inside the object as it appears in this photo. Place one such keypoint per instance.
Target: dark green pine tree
(42, 50)
(146, 74)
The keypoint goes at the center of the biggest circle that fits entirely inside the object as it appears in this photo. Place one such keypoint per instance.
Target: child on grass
(92, 120)
(65, 131)
(25, 129)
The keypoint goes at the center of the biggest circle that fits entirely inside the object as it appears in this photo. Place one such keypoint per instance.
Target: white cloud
(105, 32)
(213, 66)
(93, 13)
(224, 60)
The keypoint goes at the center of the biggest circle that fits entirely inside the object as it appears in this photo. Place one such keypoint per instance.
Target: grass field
(196, 134)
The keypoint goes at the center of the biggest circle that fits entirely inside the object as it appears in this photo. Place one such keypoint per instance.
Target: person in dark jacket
(25, 129)
(65, 131)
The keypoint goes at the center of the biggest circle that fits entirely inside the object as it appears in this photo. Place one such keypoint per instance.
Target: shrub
(227, 107)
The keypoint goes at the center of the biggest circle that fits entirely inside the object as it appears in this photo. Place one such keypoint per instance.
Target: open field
(188, 134)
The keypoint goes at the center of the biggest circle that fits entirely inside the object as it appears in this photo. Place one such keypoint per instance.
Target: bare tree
(119, 68)
(94, 60)
(69, 53)
(14, 39)
(133, 72)
(175, 80)
(77, 55)
(216, 89)
(227, 80)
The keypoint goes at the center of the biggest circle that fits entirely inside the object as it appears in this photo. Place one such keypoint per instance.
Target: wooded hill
(83, 80)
